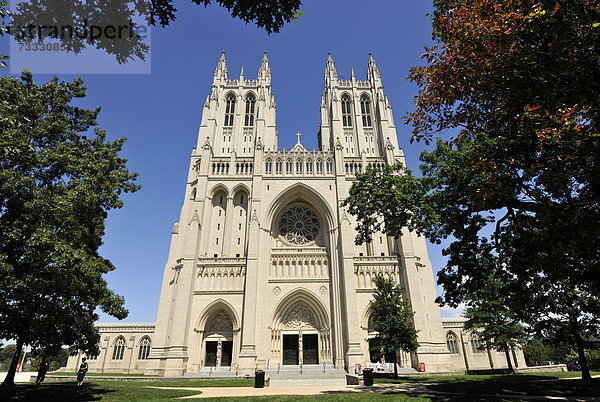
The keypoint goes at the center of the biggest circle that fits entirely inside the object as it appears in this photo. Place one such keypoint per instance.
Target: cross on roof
(298, 135)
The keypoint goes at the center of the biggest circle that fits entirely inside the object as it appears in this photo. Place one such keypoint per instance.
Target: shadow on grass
(54, 392)
(519, 384)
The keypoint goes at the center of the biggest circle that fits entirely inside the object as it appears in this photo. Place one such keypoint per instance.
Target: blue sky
(160, 112)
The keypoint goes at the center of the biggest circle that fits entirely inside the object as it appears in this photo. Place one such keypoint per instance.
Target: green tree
(517, 86)
(269, 15)
(392, 318)
(55, 361)
(58, 180)
(496, 325)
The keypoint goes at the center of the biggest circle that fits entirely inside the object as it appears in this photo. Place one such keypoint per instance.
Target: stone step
(307, 368)
(212, 372)
(303, 380)
(310, 374)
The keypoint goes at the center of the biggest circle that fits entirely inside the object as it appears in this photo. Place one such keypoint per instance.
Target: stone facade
(263, 270)
(466, 353)
(124, 348)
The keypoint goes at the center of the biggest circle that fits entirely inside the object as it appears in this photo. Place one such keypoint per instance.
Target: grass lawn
(549, 384)
(344, 397)
(463, 388)
(73, 374)
(136, 391)
(112, 390)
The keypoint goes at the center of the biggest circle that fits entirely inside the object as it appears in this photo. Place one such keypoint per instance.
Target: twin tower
(263, 271)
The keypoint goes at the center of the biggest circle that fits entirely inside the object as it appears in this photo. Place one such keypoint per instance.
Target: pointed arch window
(365, 110)
(229, 110)
(144, 349)
(329, 166)
(346, 112)
(278, 166)
(249, 117)
(452, 343)
(118, 348)
(319, 166)
(476, 345)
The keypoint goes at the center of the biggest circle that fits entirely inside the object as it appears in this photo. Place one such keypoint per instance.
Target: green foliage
(55, 361)
(494, 322)
(269, 15)
(392, 318)
(6, 354)
(58, 181)
(520, 182)
(389, 195)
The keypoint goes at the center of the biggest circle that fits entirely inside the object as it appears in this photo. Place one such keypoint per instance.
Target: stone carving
(220, 323)
(298, 317)
(388, 145)
(194, 218)
(345, 217)
(276, 290)
(323, 290)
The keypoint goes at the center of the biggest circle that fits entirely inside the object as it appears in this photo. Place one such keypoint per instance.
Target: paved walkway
(19, 377)
(228, 392)
(215, 392)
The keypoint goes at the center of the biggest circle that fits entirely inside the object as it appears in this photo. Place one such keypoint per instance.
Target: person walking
(42, 371)
(82, 370)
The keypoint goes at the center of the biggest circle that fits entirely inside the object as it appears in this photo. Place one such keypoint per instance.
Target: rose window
(299, 225)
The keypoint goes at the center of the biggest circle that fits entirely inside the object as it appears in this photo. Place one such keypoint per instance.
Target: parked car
(550, 363)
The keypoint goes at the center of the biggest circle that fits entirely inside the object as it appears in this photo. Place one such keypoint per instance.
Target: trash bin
(368, 377)
(259, 379)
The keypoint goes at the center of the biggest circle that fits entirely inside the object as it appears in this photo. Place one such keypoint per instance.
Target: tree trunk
(395, 366)
(10, 376)
(507, 354)
(585, 370)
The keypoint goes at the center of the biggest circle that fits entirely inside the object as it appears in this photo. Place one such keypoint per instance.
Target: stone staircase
(212, 372)
(309, 374)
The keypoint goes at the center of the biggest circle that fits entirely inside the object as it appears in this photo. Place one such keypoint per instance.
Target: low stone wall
(534, 369)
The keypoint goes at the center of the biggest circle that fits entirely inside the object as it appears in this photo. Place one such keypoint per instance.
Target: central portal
(300, 349)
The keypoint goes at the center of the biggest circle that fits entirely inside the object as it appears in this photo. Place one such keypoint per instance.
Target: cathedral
(263, 272)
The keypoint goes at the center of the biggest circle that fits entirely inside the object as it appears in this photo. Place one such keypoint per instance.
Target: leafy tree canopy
(58, 180)
(518, 85)
(270, 15)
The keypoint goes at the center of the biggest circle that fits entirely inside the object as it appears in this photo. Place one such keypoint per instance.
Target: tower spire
(330, 71)
(372, 70)
(264, 71)
(221, 70)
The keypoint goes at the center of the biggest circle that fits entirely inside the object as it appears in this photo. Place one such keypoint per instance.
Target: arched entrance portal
(217, 338)
(300, 331)
(218, 341)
